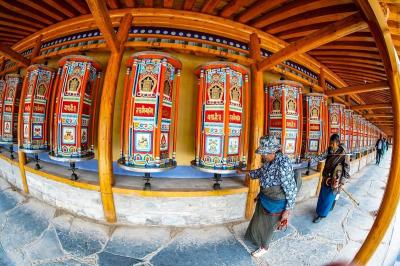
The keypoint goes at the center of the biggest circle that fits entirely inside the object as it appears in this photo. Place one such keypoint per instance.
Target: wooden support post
(256, 121)
(13, 55)
(20, 126)
(320, 168)
(105, 127)
(36, 48)
(381, 33)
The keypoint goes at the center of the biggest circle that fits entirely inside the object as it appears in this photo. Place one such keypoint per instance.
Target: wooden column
(380, 31)
(256, 121)
(20, 128)
(106, 113)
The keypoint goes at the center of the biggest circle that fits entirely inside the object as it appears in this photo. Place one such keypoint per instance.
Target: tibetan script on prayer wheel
(150, 110)
(9, 114)
(284, 115)
(74, 108)
(337, 120)
(348, 129)
(221, 141)
(315, 117)
(37, 87)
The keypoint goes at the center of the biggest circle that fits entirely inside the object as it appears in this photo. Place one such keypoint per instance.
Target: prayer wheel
(222, 115)
(315, 124)
(348, 129)
(37, 87)
(284, 113)
(2, 90)
(74, 107)
(9, 107)
(356, 132)
(150, 111)
(362, 133)
(337, 120)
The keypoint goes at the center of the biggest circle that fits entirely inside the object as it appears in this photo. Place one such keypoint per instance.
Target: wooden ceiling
(354, 58)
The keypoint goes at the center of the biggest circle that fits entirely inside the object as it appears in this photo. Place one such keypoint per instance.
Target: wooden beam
(20, 126)
(106, 115)
(168, 3)
(344, 53)
(13, 55)
(59, 5)
(231, 8)
(259, 7)
(377, 86)
(41, 8)
(148, 3)
(103, 21)
(322, 81)
(378, 116)
(19, 9)
(327, 34)
(79, 6)
(256, 121)
(129, 3)
(113, 4)
(372, 106)
(209, 6)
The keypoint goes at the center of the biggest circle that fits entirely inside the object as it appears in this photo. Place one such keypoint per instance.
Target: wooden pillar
(380, 31)
(20, 128)
(106, 122)
(256, 121)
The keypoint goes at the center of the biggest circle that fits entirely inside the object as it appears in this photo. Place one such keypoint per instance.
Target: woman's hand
(242, 171)
(284, 221)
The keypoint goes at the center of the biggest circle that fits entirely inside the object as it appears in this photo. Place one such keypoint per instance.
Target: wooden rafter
(292, 9)
(259, 7)
(378, 116)
(79, 6)
(168, 3)
(351, 63)
(112, 4)
(361, 70)
(325, 35)
(59, 5)
(188, 5)
(103, 21)
(129, 3)
(13, 55)
(344, 53)
(41, 7)
(148, 3)
(231, 8)
(17, 18)
(351, 59)
(209, 6)
(372, 106)
(377, 86)
(11, 24)
(18, 8)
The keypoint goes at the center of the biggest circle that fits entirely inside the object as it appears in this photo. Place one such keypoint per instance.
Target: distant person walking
(379, 147)
(336, 170)
(387, 144)
(277, 194)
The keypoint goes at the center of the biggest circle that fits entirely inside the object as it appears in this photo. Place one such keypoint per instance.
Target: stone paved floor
(34, 233)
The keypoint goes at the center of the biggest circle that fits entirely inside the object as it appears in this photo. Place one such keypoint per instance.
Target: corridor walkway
(34, 233)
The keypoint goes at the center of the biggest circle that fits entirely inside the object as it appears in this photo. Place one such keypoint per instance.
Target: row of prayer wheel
(60, 109)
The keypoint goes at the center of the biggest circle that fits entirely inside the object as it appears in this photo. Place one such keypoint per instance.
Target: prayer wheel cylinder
(362, 133)
(348, 129)
(284, 115)
(315, 119)
(150, 110)
(221, 133)
(337, 120)
(2, 93)
(37, 87)
(9, 107)
(74, 108)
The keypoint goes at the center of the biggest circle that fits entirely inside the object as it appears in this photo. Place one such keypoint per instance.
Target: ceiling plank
(292, 9)
(350, 59)
(209, 6)
(325, 35)
(231, 8)
(14, 25)
(377, 86)
(148, 3)
(103, 21)
(61, 7)
(378, 115)
(129, 3)
(338, 53)
(112, 4)
(17, 18)
(188, 5)
(350, 63)
(259, 7)
(363, 70)
(79, 6)
(371, 106)
(13, 55)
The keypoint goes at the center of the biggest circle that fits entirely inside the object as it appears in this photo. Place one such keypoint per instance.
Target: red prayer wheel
(9, 105)
(348, 129)
(150, 111)
(284, 115)
(337, 120)
(222, 115)
(356, 132)
(37, 86)
(315, 135)
(362, 133)
(74, 109)
(2, 90)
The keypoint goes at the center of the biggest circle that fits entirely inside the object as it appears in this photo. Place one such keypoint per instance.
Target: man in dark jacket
(379, 147)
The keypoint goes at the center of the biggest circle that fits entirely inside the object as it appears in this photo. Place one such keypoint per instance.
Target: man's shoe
(259, 252)
(317, 219)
